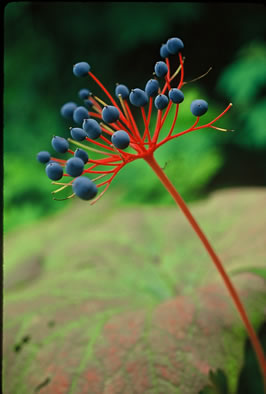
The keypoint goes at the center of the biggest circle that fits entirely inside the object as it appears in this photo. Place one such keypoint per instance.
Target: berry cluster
(111, 127)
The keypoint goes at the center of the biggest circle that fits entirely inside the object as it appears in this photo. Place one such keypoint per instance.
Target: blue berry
(176, 95)
(84, 94)
(81, 69)
(77, 134)
(43, 156)
(60, 144)
(138, 97)
(110, 114)
(122, 90)
(84, 188)
(164, 51)
(68, 109)
(161, 101)
(80, 114)
(174, 45)
(160, 69)
(152, 87)
(74, 166)
(199, 107)
(54, 171)
(81, 154)
(120, 139)
(92, 128)
(88, 103)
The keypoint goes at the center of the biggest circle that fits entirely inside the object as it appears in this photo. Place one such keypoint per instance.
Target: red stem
(174, 121)
(233, 293)
(150, 110)
(107, 93)
(146, 131)
(158, 126)
(99, 144)
(134, 126)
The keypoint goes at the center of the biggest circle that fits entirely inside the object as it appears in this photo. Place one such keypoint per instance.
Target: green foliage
(131, 293)
(218, 381)
(249, 379)
(253, 270)
(27, 192)
(121, 41)
(243, 81)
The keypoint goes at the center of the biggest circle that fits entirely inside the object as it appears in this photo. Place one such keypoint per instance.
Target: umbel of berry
(84, 188)
(122, 90)
(110, 114)
(67, 110)
(120, 139)
(176, 96)
(43, 157)
(160, 69)
(79, 114)
(78, 134)
(152, 87)
(81, 69)
(174, 45)
(81, 154)
(138, 97)
(84, 94)
(164, 51)
(199, 107)
(74, 166)
(60, 144)
(92, 128)
(161, 101)
(54, 171)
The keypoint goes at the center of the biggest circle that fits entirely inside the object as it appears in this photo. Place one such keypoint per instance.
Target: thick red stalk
(230, 287)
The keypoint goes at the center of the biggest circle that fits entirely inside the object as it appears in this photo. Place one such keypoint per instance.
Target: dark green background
(121, 41)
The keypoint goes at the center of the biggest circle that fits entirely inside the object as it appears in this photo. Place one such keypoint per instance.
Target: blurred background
(121, 42)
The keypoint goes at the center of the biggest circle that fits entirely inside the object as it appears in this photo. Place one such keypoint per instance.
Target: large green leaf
(107, 300)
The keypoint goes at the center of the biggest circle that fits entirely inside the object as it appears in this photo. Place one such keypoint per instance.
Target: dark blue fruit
(110, 114)
(81, 69)
(78, 134)
(176, 95)
(54, 171)
(152, 87)
(81, 154)
(60, 144)
(161, 101)
(88, 103)
(122, 90)
(160, 69)
(84, 188)
(80, 114)
(164, 51)
(138, 97)
(43, 156)
(199, 107)
(67, 110)
(74, 166)
(120, 139)
(174, 45)
(84, 94)
(92, 128)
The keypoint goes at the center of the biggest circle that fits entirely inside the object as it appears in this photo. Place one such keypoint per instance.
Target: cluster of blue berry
(119, 126)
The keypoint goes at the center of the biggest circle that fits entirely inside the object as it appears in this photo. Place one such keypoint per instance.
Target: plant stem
(233, 293)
